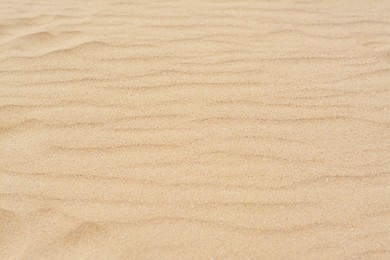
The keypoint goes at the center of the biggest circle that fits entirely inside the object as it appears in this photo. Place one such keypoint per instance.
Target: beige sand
(194, 129)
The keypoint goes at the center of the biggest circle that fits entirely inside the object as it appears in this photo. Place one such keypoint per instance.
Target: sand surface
(194, 129)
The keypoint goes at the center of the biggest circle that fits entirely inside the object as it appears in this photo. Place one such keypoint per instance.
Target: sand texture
(194, 129)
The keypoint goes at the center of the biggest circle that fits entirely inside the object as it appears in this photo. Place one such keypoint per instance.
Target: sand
(194, 129)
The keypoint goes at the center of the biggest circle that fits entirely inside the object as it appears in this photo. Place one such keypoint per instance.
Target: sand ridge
(194, 129)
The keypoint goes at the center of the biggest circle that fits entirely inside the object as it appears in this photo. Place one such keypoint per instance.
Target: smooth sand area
(194, 129)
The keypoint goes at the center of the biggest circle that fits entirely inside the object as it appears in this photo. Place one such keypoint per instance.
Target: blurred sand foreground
(194, 129)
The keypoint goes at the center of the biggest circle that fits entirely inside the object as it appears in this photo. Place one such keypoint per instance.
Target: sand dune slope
(194, 129)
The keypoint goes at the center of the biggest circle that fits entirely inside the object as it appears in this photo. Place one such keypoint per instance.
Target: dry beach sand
(195, 129)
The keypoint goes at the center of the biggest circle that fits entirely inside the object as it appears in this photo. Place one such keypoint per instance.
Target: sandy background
(194, 129)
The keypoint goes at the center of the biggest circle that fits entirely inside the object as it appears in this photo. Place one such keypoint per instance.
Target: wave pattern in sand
(194, 129)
